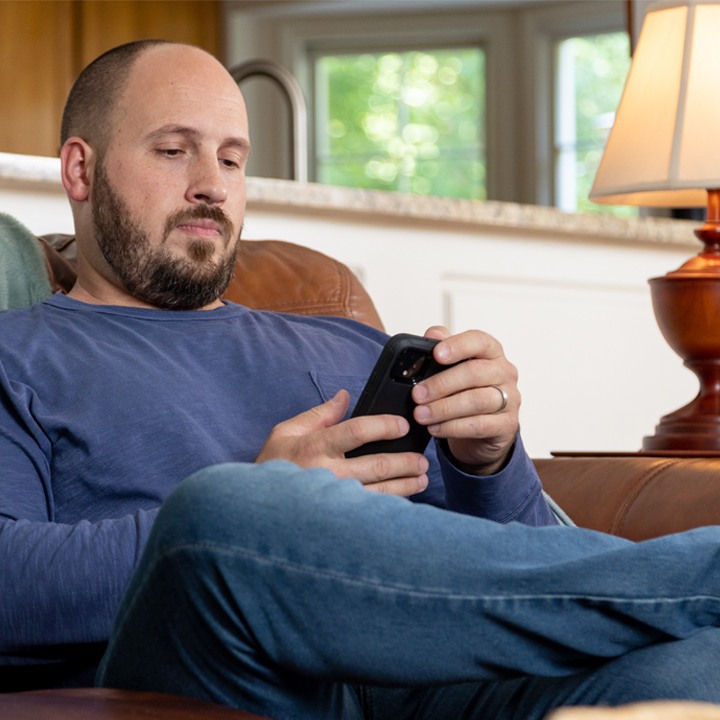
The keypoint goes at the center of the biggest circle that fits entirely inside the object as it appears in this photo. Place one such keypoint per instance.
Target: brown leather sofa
(637, 497)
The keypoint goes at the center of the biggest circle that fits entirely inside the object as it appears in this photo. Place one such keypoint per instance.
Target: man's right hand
(317, 438)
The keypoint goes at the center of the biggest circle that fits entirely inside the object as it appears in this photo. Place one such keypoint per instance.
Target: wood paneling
(107, 23)
(36, 73)
(44, 44)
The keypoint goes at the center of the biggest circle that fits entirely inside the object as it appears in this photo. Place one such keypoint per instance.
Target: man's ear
(77, 161)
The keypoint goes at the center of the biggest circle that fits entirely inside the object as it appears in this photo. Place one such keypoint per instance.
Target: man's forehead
(164, 71)
(172, 84)
(176, 60)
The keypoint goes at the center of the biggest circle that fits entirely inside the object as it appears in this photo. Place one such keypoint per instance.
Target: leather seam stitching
(623, 511)
(344, 290)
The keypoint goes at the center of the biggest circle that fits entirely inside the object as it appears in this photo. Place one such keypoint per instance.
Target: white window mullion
(565, 129)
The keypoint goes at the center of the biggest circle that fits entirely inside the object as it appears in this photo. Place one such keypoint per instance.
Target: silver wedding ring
(504, 399)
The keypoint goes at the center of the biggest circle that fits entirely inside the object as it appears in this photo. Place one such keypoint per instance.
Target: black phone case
(384, 395)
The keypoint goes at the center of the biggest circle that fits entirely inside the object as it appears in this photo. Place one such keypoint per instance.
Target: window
(590, 76)
(489, 134)
(409, 121)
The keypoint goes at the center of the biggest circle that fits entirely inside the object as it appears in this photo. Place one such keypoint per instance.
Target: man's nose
(207, 183)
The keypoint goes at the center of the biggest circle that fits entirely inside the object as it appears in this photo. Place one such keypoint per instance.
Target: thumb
(319, 417)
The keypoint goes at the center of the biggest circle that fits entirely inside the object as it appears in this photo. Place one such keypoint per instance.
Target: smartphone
(404, 362)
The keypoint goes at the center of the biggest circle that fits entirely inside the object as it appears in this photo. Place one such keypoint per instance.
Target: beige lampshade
(664, 148)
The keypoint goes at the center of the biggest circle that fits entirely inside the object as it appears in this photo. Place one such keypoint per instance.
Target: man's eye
(170, 152)
(231, 164)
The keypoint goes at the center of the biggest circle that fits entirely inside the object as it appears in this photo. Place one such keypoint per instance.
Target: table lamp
(664, 151)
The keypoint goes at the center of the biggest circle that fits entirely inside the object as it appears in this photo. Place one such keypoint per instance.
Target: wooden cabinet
(44, 44)
(36, 73)
(103, 24)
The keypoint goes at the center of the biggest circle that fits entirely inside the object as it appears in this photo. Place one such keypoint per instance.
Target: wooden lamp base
(687, 308)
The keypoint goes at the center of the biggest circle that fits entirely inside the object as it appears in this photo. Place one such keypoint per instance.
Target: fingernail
(420, 393)
(403, 425)
(422, 482)
(422, 413)
(432, 429)
(442, 352)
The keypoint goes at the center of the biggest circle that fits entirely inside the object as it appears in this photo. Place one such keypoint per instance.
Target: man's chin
(183, 284)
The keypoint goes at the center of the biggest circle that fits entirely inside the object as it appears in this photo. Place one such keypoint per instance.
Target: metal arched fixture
(293, 94)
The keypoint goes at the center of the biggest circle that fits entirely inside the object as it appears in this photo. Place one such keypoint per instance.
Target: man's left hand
(462, 403)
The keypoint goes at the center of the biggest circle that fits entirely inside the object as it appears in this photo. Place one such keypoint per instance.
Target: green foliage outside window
(412, 121)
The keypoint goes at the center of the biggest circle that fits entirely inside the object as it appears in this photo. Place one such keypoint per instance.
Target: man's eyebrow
(193, 134)
(172, 130)
(240, 143)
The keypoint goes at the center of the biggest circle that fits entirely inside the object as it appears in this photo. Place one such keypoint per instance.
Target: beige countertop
(43, 174)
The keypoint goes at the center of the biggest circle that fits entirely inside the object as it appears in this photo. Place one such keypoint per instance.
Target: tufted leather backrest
(269, 275)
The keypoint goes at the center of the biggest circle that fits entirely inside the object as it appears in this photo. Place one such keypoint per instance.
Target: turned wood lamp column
(687, 308)
(664, 151)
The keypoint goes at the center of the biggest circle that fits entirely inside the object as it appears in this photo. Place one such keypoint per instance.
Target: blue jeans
(288, 593)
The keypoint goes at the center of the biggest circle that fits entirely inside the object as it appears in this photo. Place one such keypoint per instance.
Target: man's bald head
(96, 92)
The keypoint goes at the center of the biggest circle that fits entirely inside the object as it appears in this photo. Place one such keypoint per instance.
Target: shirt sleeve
(513, 494)
(83, 567)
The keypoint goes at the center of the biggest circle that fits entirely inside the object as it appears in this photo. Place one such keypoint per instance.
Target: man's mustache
(200, 212)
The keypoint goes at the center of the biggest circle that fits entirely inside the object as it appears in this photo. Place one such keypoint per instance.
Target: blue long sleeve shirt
(105, 409)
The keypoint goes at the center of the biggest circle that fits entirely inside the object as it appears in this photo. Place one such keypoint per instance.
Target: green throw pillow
(23, 276)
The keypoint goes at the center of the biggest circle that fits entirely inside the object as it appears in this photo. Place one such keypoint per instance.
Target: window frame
(542, 30)
(557, 59)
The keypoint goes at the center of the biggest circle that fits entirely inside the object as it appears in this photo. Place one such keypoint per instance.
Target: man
(280, 587)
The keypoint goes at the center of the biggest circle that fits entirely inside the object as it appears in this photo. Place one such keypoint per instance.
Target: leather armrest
(635, 497)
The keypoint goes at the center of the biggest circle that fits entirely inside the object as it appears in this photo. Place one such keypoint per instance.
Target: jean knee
(221, 503)
(678, 670)
(689, 669)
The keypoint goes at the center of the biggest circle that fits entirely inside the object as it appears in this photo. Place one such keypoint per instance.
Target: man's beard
(153, 275)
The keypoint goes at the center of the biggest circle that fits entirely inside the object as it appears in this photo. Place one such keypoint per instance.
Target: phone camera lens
(409, 366)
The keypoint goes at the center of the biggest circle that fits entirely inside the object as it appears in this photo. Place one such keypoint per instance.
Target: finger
(404, 487)
(475, 427)
(359, 431)
(317, 418)
(437, 332)
(468, 375)
(469, 344)
(385, 466)
(477, 401)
